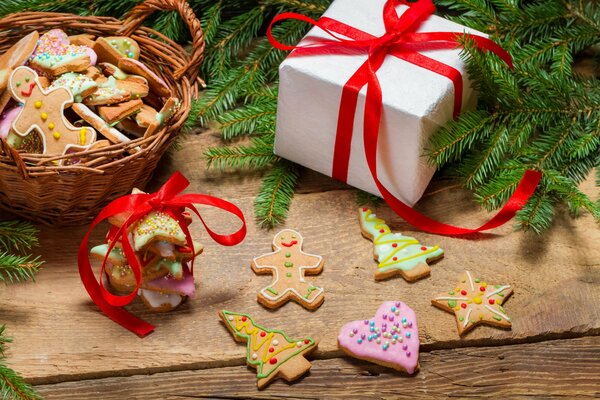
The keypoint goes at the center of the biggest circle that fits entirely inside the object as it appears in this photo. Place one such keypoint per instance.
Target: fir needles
(15, 236)
(541, 115)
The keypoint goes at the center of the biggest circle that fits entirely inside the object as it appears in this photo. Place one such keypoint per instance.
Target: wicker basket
(34, 186)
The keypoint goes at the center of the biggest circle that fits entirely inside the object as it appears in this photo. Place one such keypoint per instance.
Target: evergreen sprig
(18, 235)
(15, 236)
(276, 193)
(541, 115)
(15, 268)
(12, 385)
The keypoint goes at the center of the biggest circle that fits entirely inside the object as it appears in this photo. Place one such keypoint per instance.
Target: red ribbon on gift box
(402, 41)
(167, 200)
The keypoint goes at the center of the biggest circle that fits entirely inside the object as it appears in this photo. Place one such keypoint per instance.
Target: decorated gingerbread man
(43, 111)
(288, 264)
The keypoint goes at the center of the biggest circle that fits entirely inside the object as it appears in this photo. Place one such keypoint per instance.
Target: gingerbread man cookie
(396, 254)
(288, 264)
(475, 302)
(43, 111)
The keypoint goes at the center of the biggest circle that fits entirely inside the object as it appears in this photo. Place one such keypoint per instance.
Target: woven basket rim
(186, 88)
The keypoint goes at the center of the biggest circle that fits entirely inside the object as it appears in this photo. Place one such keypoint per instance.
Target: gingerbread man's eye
(283, 238)
(293, 236)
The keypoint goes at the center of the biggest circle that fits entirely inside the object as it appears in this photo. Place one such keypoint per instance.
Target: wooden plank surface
(560, 368)
(59, 335)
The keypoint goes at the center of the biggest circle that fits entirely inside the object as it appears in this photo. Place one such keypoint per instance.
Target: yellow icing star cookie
(475, 302)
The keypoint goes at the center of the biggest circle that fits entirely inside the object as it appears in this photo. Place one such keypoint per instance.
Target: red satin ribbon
(400, 40)
(167, 200)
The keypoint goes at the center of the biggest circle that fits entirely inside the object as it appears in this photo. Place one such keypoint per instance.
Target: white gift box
(416, 102)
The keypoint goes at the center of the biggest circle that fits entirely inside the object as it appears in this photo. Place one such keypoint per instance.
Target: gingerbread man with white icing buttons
(289, 264)
(43, 111)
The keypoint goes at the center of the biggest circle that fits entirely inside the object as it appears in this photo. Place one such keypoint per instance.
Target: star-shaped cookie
(475, 302)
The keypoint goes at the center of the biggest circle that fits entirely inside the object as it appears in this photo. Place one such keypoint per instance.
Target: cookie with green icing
(270, 351)
(111, 49)
(79, 85)
(396, 254)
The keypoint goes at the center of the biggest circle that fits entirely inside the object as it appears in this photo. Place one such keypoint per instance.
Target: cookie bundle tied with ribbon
(149, 251)
(64, 94)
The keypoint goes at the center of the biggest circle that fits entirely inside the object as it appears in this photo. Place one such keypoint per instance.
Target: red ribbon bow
(167, 200)
(400, 40)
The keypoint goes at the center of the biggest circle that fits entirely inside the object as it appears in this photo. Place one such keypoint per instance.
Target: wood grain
(60, 335)
(561, 368)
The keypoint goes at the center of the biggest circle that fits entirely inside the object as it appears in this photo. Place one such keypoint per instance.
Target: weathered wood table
(69, 350)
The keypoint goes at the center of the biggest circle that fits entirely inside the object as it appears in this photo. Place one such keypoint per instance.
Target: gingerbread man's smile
(289, 244)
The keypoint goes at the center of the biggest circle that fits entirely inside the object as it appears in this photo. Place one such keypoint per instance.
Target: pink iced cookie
(390, 339)
(6, 120)
(55, 55)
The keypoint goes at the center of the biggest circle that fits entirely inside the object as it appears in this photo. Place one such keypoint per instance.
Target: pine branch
(276, 192)
(258, 154)
(18, 235)
(367, 199)
(539, 115)
(12, 385)
(15, 268)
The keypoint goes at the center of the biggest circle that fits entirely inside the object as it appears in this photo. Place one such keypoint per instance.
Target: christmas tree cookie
(396, 254)
(475, 302)
(270, 351)
(289, 264)
(390, 338)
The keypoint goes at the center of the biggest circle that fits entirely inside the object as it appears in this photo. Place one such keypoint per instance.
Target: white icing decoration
(451, 298)
(254, 356)
(470, 280)
(275, 342)
(230, 318)
(156, 299)
(503, 288)
(467, 317)
(497, 313)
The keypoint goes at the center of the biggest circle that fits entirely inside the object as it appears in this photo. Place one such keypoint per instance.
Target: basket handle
(143, 10)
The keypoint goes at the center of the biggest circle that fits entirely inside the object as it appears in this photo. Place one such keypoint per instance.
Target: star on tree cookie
(396, 254)
(43, 111)
(288, 264)
(270, 351)
(475, 302)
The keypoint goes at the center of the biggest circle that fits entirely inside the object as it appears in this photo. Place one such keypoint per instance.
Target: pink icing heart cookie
(391, 338)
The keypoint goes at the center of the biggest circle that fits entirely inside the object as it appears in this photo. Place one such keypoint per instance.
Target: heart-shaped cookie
(391, 338)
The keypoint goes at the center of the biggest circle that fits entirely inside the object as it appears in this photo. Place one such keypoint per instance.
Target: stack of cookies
(61, 94)
(163, 253)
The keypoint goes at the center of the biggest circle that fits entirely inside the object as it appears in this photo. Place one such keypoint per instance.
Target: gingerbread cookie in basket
(43, 113)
